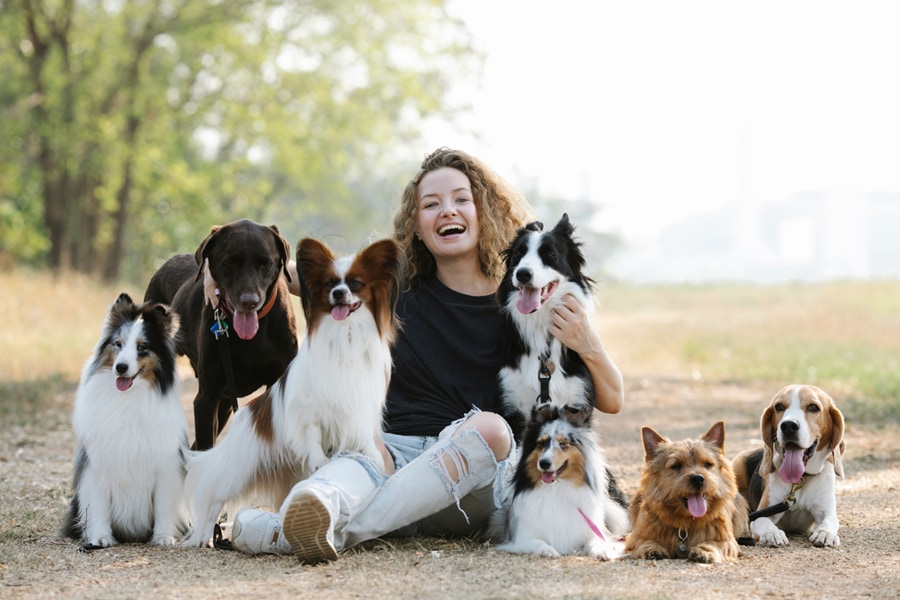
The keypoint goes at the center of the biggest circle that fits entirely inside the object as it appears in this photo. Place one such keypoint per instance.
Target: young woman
(445, 445)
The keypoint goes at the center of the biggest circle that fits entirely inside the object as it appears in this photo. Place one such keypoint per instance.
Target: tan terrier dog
(687, 505)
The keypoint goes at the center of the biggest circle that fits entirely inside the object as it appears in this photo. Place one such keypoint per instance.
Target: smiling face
(447, 217)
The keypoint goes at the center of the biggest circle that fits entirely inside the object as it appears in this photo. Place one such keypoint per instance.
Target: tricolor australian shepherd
(329, 400)
(131, 434)
(541, 268)
(561, 502)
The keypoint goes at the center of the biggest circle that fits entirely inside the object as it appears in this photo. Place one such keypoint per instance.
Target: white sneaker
(258, 532)
(308, 528)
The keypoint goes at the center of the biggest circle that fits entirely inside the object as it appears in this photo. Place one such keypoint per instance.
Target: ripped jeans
(471, 509)
(422, 496)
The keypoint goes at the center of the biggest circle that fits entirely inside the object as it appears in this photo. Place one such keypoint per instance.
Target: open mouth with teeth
(795, 458)
(552, 476)
(696, 505)
(339, 312)
(531, 298)
(452, 229)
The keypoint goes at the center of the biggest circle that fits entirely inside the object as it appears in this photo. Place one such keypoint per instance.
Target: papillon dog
(329, 400)
(561, 502)
(131, 434)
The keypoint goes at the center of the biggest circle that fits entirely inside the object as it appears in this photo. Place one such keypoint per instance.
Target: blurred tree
(128, 127)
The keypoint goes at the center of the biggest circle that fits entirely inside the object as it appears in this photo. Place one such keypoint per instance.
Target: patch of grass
(22, 403)
(842, 336)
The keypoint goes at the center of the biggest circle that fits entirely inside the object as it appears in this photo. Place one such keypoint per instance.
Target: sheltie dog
(131, 434)
(541, 268)
(329, 400)
(688, 504)
(561, 502)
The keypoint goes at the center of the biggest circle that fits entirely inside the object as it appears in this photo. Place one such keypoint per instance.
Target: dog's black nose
(524, 275)
(339, 295)
(249, 301)
(790, 426)
(121, 368)
(697, 481)
(545, 463)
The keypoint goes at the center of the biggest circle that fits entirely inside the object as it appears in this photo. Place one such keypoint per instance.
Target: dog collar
(262, 312)
(268, 305)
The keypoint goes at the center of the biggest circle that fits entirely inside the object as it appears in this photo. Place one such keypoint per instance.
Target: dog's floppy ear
(534, 226)
(205, 247)
(541, 413)
(716, 436)
(837, 437)
(652, 440)
(577, 415)
(767, 430)
(284, 250)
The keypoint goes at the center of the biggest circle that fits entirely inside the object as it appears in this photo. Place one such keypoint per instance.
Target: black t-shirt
(446, 359)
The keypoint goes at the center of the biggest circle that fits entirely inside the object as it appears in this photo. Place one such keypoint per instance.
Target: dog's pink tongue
(340, 312)
(123, 383)
(548, 476)
(696, 505)
(246, 324)
(791, 470)
(529, 300)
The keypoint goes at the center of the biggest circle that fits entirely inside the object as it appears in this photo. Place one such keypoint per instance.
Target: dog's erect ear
(284, 250)
(577, 415)
(124, 298)
(169, 318)
(204, 249)
(837, 437)
(564, 226)
(767, 431)
(716, 436)
(652, 440)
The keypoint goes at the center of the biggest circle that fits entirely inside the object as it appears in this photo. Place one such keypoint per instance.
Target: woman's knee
(494, 430)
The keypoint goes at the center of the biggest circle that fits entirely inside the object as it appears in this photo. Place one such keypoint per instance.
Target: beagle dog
(790, 481)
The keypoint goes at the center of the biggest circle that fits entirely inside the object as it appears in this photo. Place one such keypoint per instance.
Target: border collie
(561, 502)
(329, 400)
(131, 434)
(541, 268)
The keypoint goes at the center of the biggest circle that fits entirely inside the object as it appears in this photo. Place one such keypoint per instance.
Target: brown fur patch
(565, 456)
(673, 471)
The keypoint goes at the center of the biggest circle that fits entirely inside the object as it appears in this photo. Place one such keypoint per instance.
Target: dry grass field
(691, 355)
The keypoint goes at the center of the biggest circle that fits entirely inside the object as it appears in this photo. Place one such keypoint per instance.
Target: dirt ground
(35, 474)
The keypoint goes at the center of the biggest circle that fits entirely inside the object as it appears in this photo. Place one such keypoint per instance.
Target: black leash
(781, 507)
(220, 330)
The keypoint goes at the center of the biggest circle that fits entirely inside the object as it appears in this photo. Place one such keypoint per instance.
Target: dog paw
(103, 541)
(774, 538)
(705, 553)
(162, 539)
(823, 537)
(654, 555)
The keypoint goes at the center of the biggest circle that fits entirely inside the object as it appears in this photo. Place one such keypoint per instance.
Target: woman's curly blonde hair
(501, 211)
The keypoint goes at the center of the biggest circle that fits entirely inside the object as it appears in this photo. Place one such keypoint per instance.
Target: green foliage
(132, 127)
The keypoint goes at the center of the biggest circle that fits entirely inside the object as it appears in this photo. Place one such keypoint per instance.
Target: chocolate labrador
(247, 277)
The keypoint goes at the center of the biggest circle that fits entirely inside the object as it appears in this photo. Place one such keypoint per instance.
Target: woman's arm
(571, 325)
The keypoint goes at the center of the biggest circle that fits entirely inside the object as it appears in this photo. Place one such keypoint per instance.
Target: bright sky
(661, 108)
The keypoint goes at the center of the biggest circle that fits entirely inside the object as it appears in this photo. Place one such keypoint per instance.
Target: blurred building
(809, 236)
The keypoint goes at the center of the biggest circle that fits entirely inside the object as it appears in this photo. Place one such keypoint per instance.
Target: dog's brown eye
(709, 465)
(330, 283)
(676, 467)
(779, 407)
(812, 408)
(355, 285)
